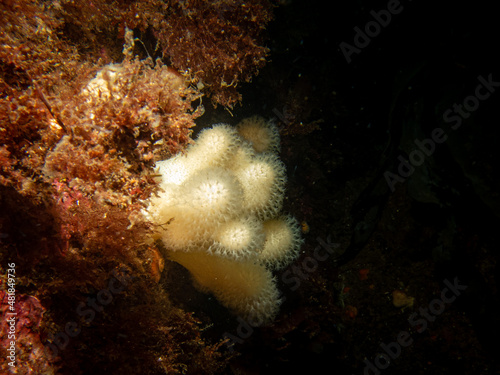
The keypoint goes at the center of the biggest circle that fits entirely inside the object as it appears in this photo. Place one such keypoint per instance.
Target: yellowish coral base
(246, 288)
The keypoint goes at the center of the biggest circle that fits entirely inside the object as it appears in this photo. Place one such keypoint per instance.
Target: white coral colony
(222, 201)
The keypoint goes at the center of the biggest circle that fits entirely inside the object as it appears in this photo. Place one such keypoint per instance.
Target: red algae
(217, 45)
(85, 112)
(31, 355)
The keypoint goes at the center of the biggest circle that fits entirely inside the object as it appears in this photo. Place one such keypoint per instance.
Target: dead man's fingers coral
(218, 214)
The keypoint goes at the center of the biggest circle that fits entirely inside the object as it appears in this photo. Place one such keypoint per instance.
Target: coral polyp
(262, 135)
(238, 239)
